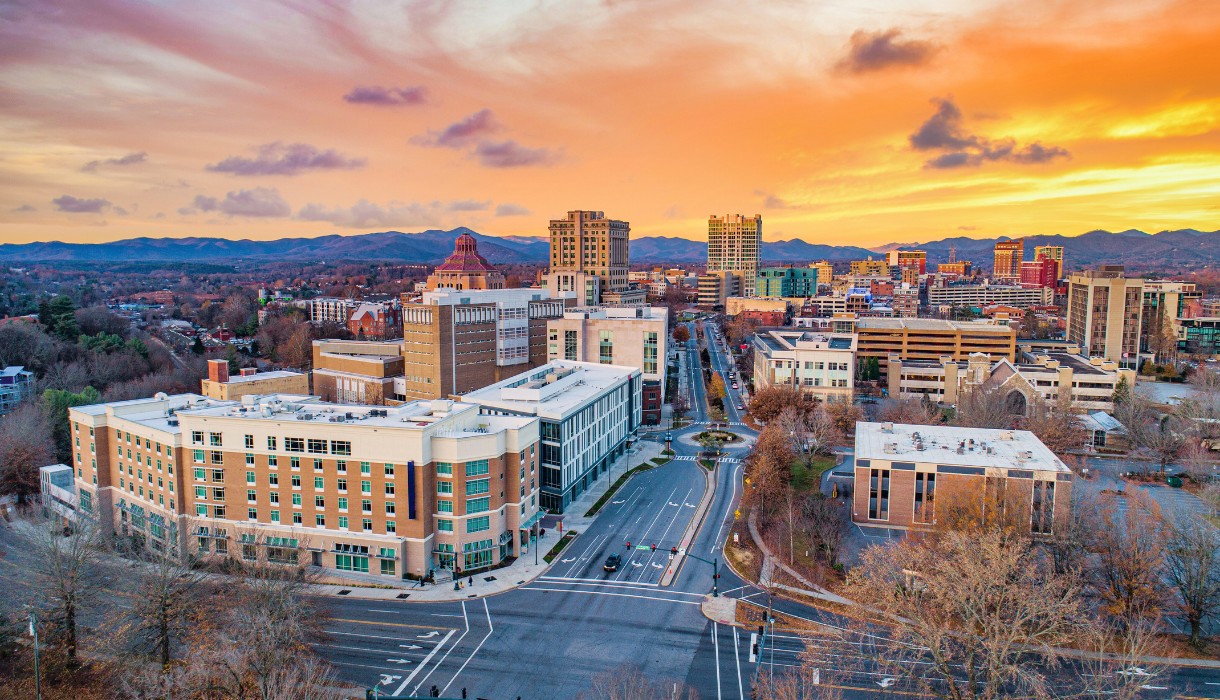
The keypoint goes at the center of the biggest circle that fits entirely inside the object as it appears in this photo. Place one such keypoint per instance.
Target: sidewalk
(771, 562)
(520, 572)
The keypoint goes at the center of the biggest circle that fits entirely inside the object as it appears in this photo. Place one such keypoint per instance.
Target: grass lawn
(809, 479)
(563, 542)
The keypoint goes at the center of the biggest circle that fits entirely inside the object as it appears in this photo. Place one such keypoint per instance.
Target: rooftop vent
(887, 427)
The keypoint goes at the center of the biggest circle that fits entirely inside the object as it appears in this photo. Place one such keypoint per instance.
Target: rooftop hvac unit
(887, 427)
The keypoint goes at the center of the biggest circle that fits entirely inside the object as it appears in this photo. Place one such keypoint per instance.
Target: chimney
(249, 371)
(218, 371)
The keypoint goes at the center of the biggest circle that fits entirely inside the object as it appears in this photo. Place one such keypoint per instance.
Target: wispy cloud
(259, 202)
(76, 205)
(469, 205)
(286, 159)
(510, 209)
(462, 132)
(874, 51)
(773, 201)
(510, 154)
(945, 132)
(129, 159)
(365, 214)
(387, 96)
(24, 208)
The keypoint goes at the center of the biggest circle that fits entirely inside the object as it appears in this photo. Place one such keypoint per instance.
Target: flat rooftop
(554, 390)
(274, 374)
(940, 444)
(933, 324)
(306, 409)
(155, 412)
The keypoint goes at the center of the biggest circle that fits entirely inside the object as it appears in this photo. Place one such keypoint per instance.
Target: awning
(538, 515)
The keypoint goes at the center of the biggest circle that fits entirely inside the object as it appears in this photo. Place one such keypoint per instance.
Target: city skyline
(935, 120)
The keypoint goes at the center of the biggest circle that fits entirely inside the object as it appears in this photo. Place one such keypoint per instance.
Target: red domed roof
(465, 257)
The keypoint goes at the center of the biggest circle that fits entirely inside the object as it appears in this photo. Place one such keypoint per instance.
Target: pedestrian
(472, 581)
(457, 585)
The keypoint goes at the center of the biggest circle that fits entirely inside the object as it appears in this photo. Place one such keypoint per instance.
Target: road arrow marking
(567, 561)
(615, 503)
(675, 505)
(636, 563)
(657, 566)
(430, 635)
(387, 679)
(399, 661)
(409, 646)
(887, 682)
(689, 505)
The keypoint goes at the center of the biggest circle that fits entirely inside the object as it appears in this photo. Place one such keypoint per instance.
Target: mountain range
(1187, 247)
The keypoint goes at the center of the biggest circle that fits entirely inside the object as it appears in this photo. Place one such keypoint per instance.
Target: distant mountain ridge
(1132, 247)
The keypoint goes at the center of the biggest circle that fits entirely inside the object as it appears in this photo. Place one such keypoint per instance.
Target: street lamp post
(37, 672)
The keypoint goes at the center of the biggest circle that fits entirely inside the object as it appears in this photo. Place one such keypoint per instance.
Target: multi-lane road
(550, 637)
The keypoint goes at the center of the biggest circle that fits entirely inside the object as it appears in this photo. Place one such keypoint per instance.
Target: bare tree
(66, 568)
(1072, 539)
(1192, 564)
(26, 445)
(910, 412)
(1056, 425)
(167, 596)
(981, 407)
(810, 431)
(628, 682)
(827, 521)
(1158, 438)
(972, 615)
(1130, 552)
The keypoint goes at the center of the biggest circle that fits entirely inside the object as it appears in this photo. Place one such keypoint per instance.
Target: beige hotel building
(393, 492)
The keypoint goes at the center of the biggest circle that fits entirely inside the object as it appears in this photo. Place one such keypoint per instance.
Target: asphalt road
(551, 637)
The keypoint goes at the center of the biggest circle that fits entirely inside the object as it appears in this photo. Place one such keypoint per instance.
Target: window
(218, 457)
(343, 503)
(201, 493)
(347, 562)
(218, 511)
(569, 345)
(342, 522)
(275, 516)
(214, 439)
(296, 518)
(366, 468)
(389, 508)
(317, 446)
(218, 494)
(476, 468)
(292, 444)
(252, 513)
(366, 506)
(389, 470)
(444, 469)
(199, 473)
(341, 484)
(389, 488)
(275, 497)
(477, 505)
(196, 437)
(478, 524)
(273, 461)
(296, 500)
(319, 501)
(390, 527)
(251, 495)
(879, 494)
(925, 497)
(387, 567)
(473, 488)
(271, 442)
(319, 520)
(341, 466)
(1043, 517)
(218, 475)
(294, 462)
(341, 447)
(444, 525)
(650, 352)
(273, 479)
(444, 487)
(201, 510)
(317, 465)
(198, 456)
(319, 482)
(250, 477)
(249, 442)
(444, 506)
(296, 481)
(605, 347)
(366, 525)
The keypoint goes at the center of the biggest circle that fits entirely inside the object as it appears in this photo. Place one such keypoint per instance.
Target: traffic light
(654, 546)
(673, 551)
(628, 546)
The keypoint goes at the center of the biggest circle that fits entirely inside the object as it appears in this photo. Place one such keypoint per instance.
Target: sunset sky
(842, 122)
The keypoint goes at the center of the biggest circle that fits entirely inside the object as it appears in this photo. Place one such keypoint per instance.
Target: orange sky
(840, 122)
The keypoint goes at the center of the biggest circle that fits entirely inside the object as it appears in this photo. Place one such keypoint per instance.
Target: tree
(1158, 438)
(844, 415)
(767, 403)
(26, 445)
(768, 469)
(1192, 564)
(965, 611)
(66, 569)
(1122, 392)
(56, 403)
(681, 334)
(979, 407)
(826, 519)
(167, 597)
(1130, 550)
(1056, 425)
(715, 388)
(59, 318)
(810, 432)
(919, 411)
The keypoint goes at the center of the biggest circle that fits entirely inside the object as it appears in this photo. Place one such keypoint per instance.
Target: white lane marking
(616, 595)
(363, 636)
(446, 615)
(650, 525)
(409, 646)
(624, 585)
(606, 582)
(429, 635)
(415, 690)
(390, 612)
(724, 520)
(737, 657)
(339, 646)
(567, 561)
(399, 661)
(424, 663)
(490, 628)
(716, 639)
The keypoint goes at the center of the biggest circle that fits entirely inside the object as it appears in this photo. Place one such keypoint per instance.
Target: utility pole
(37, 673)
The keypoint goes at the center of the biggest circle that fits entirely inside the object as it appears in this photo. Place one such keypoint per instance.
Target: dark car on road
(612, 562)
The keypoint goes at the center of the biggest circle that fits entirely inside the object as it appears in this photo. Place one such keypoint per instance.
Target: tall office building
(908, 259)
(1104, 309)
(733, 245)
(1008, 256)
(588, 249)
(1051, 252)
